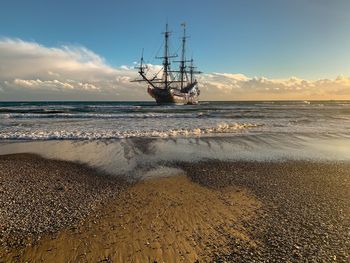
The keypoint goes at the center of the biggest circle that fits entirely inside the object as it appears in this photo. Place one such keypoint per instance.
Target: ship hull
(172, 96)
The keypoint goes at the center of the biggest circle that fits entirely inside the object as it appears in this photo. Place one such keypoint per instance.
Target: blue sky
(247, 49)
(277, 39)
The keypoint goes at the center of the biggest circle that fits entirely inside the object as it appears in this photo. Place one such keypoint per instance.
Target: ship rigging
(173, 86)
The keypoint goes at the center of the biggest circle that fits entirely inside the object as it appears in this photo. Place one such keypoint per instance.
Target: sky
(247, 49)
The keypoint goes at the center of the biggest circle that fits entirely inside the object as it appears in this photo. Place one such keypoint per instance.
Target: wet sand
(291, 211)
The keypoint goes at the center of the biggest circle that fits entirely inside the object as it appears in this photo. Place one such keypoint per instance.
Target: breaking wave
(112, 120)
(33, 134)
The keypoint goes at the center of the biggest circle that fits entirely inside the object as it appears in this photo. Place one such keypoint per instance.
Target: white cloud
(39, 84)
(32, 71)
(126, 67)
(225, 86)
(29, 70)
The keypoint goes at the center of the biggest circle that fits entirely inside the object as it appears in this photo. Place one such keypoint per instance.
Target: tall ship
(170, 86)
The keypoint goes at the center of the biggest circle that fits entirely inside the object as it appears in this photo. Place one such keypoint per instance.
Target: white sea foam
(108, 120)
(97, 115)
(32, 134)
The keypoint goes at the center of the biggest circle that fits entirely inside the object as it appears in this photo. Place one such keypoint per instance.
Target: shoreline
(223, 211)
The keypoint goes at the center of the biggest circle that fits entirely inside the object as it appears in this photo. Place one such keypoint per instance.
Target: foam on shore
(71, 134)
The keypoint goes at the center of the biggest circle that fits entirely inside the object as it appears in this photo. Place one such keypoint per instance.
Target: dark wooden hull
(172, 96)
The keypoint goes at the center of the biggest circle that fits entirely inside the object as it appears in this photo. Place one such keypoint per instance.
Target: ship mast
(167, 77)
(166, 59)
(183, 59)
(166, 62)
(191, 71)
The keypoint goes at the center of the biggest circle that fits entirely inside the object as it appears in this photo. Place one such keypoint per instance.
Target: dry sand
(165, 220)
(305, 212)
(290, 211)
(40, 196)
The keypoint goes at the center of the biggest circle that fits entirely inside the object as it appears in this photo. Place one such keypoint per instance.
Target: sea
(120, 137)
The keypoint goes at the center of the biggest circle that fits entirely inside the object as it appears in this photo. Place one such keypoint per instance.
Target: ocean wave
(114, 134)
(98, 115)
(223, 114)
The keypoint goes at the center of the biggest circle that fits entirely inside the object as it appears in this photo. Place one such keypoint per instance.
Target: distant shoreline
(153, 102)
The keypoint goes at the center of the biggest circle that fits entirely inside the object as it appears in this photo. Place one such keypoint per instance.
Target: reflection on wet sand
(134, 156)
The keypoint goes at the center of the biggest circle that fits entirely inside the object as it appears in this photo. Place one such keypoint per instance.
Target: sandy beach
(175, 131)
(290, 211)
